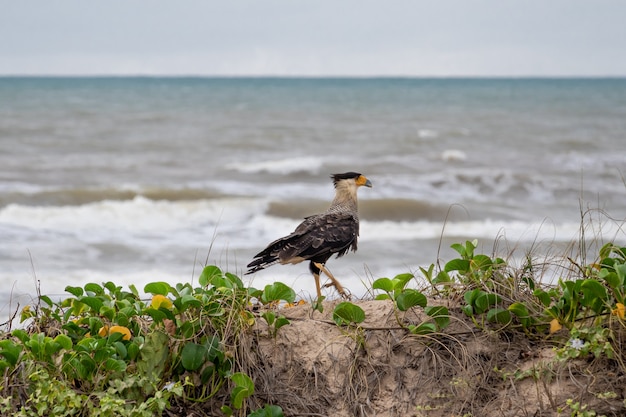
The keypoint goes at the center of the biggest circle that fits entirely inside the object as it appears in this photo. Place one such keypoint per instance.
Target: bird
(320, 236)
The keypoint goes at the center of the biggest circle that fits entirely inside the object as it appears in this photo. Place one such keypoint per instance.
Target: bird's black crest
(345, 176)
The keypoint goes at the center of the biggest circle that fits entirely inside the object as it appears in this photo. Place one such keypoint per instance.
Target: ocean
(139, 179)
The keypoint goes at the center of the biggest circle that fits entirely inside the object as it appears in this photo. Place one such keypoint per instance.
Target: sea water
(134, 180)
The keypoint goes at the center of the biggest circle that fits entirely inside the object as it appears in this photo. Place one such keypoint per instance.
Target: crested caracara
(321, 236)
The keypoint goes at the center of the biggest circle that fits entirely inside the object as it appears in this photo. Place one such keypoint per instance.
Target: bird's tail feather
(261, 263)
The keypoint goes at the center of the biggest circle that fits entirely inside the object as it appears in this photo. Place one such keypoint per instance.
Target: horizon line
(300, 76)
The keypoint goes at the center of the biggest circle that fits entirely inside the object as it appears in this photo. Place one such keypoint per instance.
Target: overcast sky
(314, 37)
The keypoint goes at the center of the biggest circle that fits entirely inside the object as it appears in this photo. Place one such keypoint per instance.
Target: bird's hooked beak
(363, 181)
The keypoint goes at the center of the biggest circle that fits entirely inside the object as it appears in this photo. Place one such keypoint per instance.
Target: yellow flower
(120, 329)
(555, 326)
(104, 331)
(159, 301)
(297, 303)
(620, 311)
(248, 317)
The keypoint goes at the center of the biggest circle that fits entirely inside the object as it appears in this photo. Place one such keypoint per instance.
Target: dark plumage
(321, 236)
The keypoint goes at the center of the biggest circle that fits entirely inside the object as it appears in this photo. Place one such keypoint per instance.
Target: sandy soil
(312, 367)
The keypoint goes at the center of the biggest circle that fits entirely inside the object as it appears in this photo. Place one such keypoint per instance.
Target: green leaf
(442, 278)
(276, 292)
(10, 351)
(86, 367)
(470, 246)
(242, 380)
(269, 317)
(133, 290)
(543, 296)
(428, 273)
(46, 300)
(107, 312)
(243, 389)
(268, 411)
(64, 341)
(281, 321)
(594, 288)
(193, 356)
(213, 345)
(94, 303)
(610, 277)
(237, 395)
(605, 251)
(318, 304)
(20, 334)
(157, 315)
(115, 365)
(499, 315)
(461, 265)
(75, 291)
(424, 328)
(207, 372)
(481, 262)
(94, 288)
(410, 298)
(109, 285)
(254, 293)
(621, 273)
(214, 309)
(235, 280)
(459, 248)
(188, 301)
(153, 355)
(471, 296)
(162, 288)
(121, 350)
(383, 284)
(209, 274)
(594, 295)
(484, 301)
(468, 310)
(440, 314)
(132, 351)
(346, 313)
(520, 310)
(400, 281)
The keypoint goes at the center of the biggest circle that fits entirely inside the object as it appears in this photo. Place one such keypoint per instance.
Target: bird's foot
(345, 294)
(333, 281)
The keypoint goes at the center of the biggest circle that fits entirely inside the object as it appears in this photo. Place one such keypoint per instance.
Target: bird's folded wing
(322, 234)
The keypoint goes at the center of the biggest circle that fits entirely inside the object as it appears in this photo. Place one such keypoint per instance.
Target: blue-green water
(134, 179)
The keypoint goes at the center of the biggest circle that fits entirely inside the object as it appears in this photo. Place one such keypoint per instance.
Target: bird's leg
(317, 285)
(333, 280)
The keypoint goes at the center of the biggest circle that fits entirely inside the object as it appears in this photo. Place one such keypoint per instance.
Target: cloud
(280, 37)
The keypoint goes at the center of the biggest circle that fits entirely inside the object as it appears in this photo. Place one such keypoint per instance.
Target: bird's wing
(324, 234)
(317, 236)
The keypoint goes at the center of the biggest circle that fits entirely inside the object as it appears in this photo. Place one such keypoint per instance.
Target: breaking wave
(280, 166)
(82, 196)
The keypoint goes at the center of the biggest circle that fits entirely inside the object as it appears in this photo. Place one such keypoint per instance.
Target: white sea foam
(453, 155)
(280, 166)
(242, 221)
(487, 229)
(427, 133)
(20, 187)
(139, 216)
